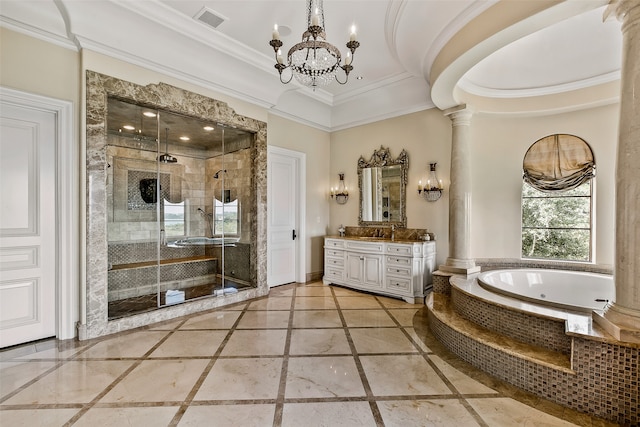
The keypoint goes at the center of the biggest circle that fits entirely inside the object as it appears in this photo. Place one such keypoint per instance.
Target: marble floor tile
(404, 316)
(398, 303)
(347, 303)
(16, 374)
(190, 343)
(319, 341)
(73, 382)
(36, 417)
(504, 412)
(267, 342)
(264, 320)
(242, 379)
(325, 414)
(313, 291)
(271, 303)
(229, 416)
(416, 339)
(381, 340)
(315, 303)
(402, 375)
(346, 292)
(213, 320)
(309, 377)
(379, 318)
(134, 344)
(460, 381)
(440, 412)
(158, 381)
(118, 417)
(316, 319)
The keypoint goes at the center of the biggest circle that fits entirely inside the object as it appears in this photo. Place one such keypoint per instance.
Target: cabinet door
(372, 271)
(354, 268)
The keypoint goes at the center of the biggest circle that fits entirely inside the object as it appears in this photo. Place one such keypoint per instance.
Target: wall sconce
(341, 193)
(433, 188)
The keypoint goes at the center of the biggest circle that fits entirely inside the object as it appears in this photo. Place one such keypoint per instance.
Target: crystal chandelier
(314, 62)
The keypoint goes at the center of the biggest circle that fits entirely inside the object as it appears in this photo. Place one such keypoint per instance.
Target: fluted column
(622, 318)
(459, 260)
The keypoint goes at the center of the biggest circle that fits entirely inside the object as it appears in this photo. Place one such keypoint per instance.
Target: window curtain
(558, 163)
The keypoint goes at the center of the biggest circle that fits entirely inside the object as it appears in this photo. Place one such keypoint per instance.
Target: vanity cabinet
(396, 268)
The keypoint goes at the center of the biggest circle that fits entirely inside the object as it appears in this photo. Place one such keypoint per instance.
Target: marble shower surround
(165, 97)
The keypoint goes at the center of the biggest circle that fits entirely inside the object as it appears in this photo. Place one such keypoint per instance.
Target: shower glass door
(180, 209)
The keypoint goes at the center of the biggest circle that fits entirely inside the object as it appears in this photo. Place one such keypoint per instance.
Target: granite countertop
(378, 239)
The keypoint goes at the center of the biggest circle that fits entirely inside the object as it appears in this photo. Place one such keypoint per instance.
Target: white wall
(499, 144)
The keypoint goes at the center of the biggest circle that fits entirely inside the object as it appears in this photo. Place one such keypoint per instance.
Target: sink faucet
(393, 231)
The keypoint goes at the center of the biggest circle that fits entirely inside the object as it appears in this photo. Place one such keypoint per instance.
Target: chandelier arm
(290, 78)
(346, 79)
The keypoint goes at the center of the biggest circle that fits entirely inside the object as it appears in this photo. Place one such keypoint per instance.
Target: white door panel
(27, 225)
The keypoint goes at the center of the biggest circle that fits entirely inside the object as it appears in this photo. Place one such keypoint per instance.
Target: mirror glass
(382, 181)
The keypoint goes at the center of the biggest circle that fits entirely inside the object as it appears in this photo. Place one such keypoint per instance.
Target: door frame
(67, 204)
(300, 160)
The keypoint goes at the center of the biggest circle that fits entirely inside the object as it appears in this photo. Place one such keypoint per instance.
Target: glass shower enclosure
(178, 208)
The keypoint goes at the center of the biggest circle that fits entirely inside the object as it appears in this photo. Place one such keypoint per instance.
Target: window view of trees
(226, 218)
(557, 225)
(174, 219)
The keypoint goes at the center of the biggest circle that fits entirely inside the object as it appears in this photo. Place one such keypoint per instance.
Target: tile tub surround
(599, 375)
(268, 362)
(99, 87)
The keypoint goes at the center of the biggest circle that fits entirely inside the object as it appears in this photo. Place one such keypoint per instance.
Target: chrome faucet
(393, 231)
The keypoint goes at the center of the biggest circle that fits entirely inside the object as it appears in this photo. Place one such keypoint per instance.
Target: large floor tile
(379, 318)
(242, 379)
(404, 316)
(381, 340)
(213, 320)
(229, 416)
(440, 412)
(158, 381)
(357, 302)
(267, 342)
(190, 344)
(313, 291)
(315, 303)
(135, 344)
(73, 382)
(316, 319)
(460, 381)
(505, 412)
(36, 417)
(309, 377)
(343, 414)
(117, 417)
(264, 320)
(319, 341)
(402, 375)
(16, 374)
(271, 303)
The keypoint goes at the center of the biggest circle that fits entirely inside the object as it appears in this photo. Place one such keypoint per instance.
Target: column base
(460, 266)
(623, 324)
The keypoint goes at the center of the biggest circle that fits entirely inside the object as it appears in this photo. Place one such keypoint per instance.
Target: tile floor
(307, 355)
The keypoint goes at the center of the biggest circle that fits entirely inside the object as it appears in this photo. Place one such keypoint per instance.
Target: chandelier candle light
(433, 188)
(314, 62)
(341, 193)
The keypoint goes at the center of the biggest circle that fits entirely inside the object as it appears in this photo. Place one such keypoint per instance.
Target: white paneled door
(283, 231)
(27, 224)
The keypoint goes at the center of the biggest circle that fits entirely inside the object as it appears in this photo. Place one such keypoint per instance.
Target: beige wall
(315, 144)
(499, 144)
(426, 135)
(34, 66)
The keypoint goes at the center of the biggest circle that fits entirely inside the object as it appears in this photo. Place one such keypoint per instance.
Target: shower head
(166, 157)
(217, 174)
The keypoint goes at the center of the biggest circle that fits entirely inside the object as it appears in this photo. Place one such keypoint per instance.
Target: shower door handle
(293, 235)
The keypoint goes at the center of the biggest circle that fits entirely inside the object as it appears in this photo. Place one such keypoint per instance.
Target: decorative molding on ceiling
(37, 33)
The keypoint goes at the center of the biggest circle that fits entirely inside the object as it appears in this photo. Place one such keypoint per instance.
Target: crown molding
(37, 33)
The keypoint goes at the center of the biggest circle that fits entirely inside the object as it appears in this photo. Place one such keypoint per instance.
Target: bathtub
(202, 241)
(574, 290)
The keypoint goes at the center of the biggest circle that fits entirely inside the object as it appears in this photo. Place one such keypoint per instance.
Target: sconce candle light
(432, 190)
(341, 194)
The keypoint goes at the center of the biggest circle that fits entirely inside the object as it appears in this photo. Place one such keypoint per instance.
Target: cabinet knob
(361, 258)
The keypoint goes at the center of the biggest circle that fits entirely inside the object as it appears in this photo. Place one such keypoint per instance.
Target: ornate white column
(459, 260)
(622, 317)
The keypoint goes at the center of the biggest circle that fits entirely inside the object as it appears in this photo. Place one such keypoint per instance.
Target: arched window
(556, 199)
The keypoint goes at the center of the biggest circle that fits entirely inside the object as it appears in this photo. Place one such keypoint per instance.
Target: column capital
(460, 115)
(626, 11)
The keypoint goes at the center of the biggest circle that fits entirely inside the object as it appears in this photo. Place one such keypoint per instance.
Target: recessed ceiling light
(359, 78)
(129, 127)
(184, 138)
(208, 128)
(149, 114)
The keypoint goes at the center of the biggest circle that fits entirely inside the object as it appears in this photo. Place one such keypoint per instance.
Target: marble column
(459, 260)
(622, 317)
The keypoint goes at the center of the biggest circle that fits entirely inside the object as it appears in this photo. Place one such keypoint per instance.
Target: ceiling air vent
(210, 17)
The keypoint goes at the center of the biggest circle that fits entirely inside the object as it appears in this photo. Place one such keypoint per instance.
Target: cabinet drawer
(336, 253)
(400, 249)
(334, 273)
(334, 262)
(333, 243)
(398, 270)
(398, 284)
(369, 247)
(398, 260)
